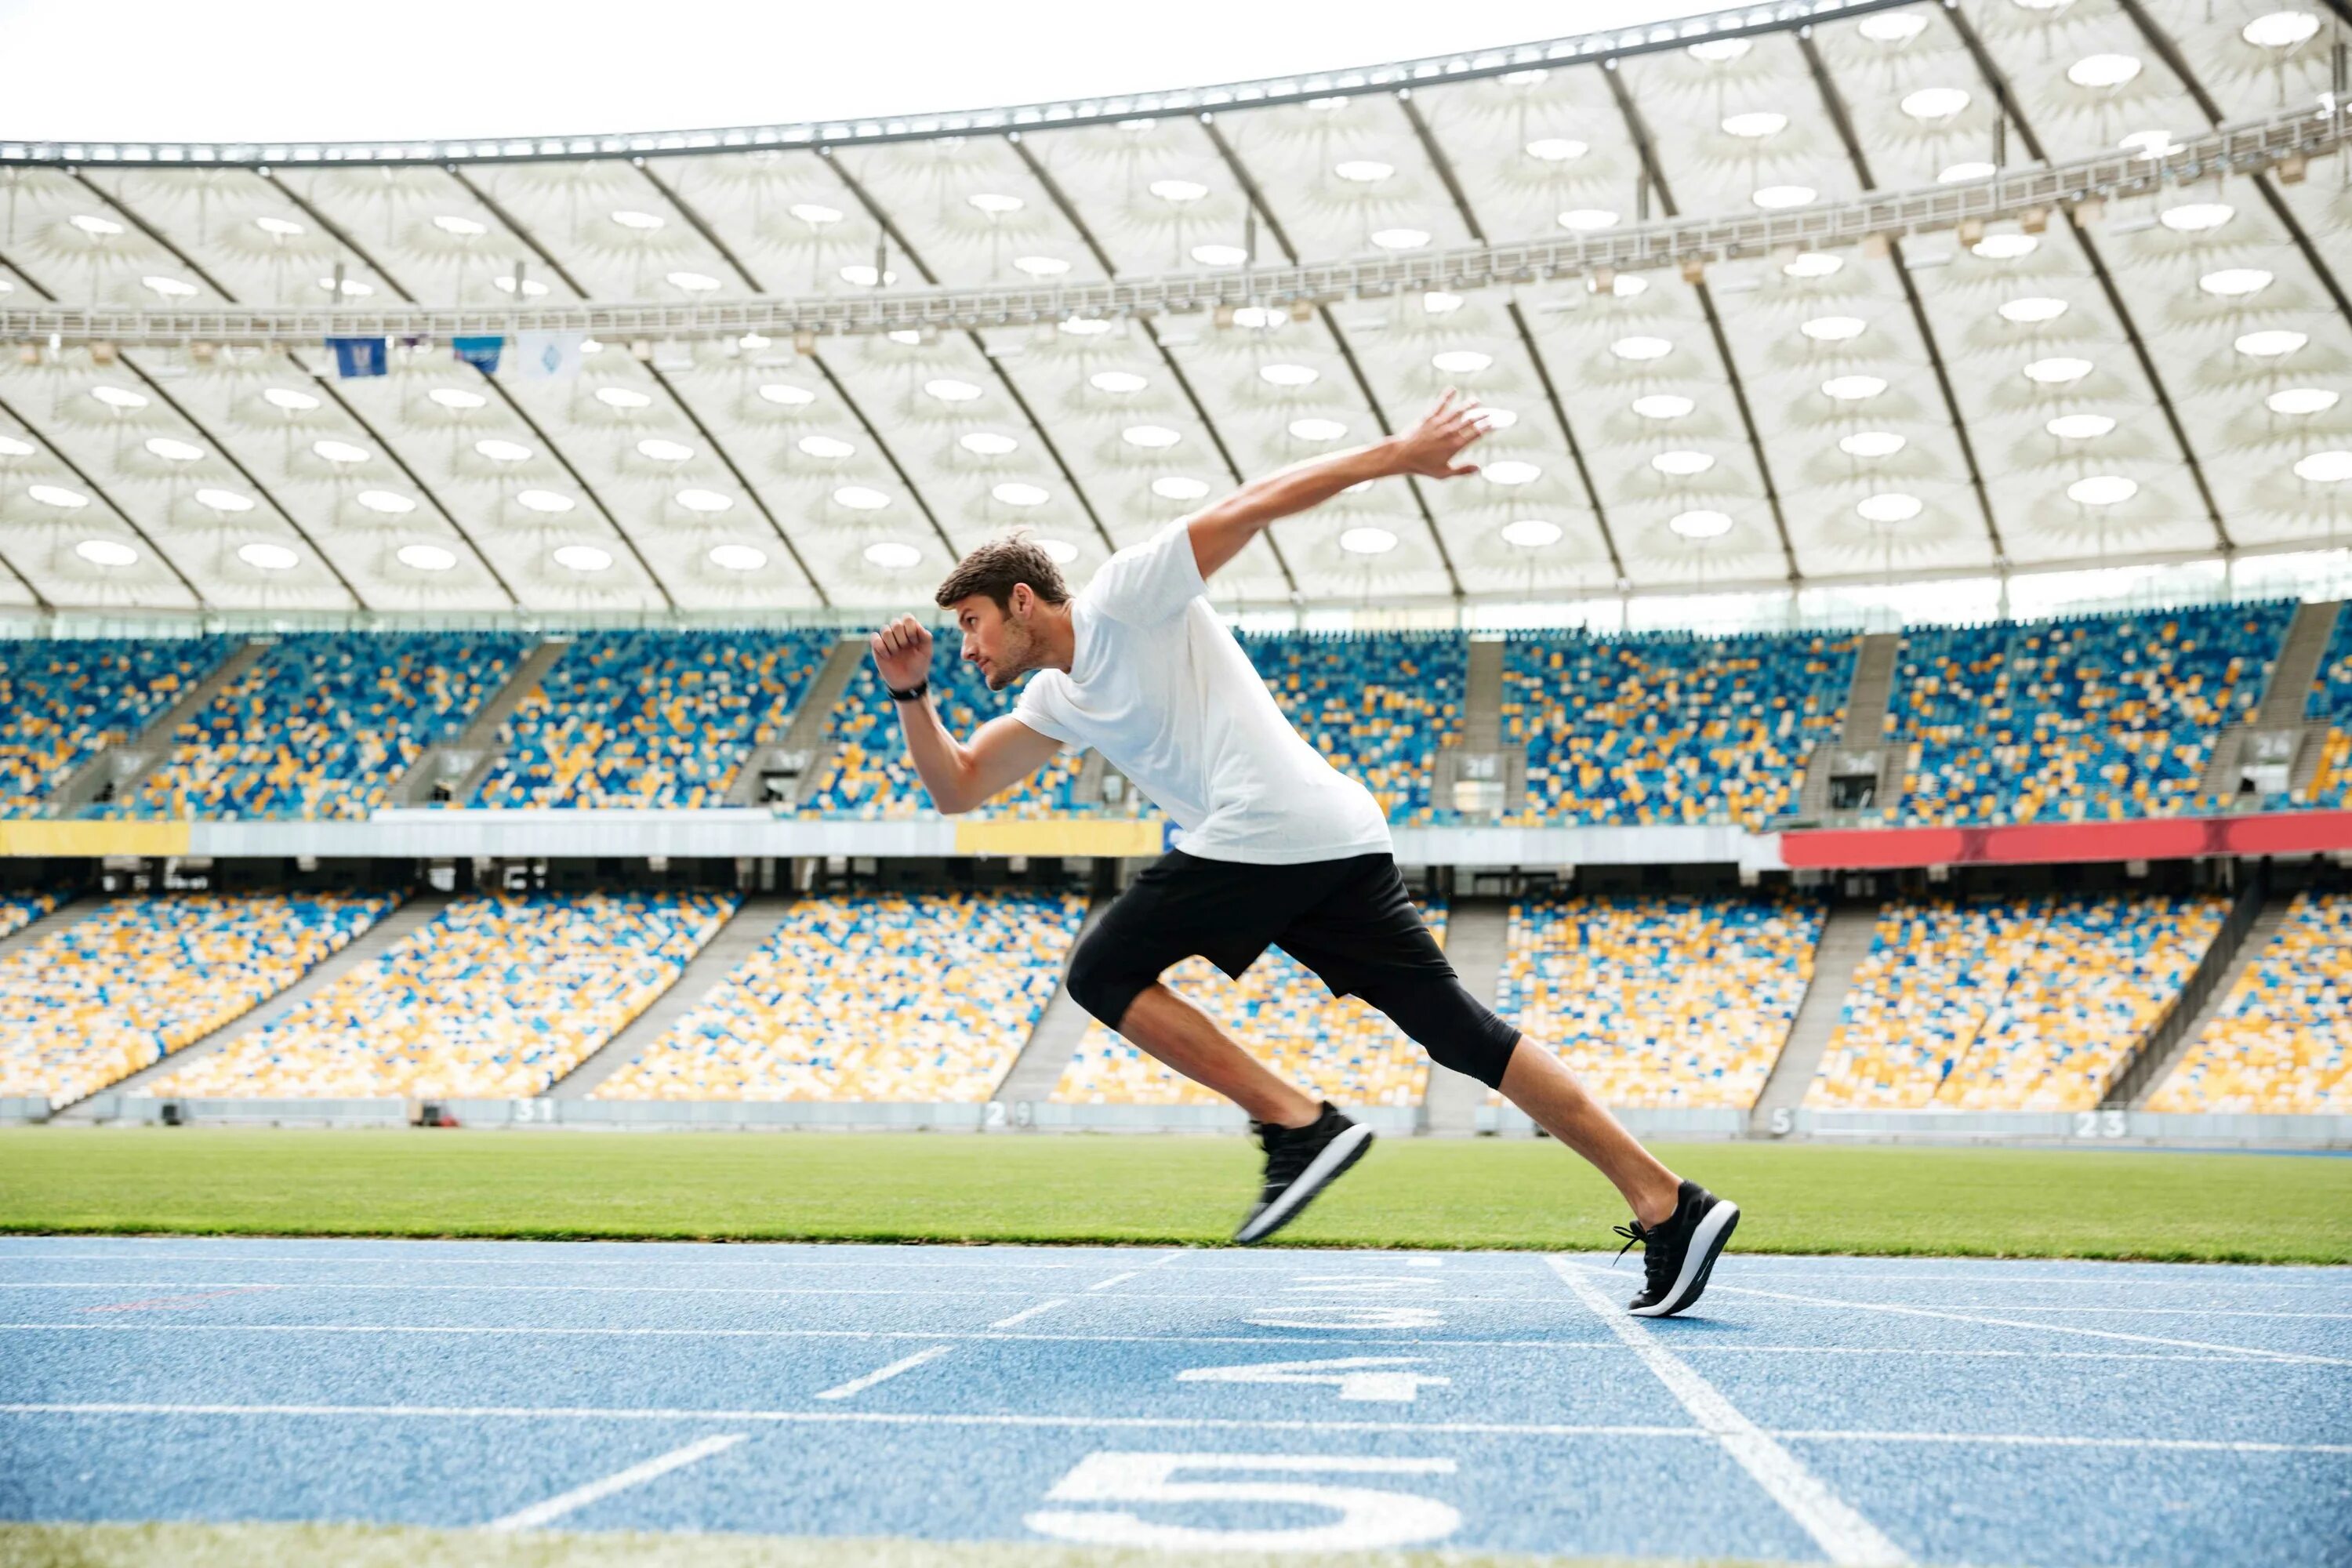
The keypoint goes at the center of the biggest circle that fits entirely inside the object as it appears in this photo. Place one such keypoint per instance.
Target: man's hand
(1429, 447)
(902, 653)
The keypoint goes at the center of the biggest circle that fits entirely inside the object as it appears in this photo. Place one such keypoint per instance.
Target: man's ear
(1024, 600)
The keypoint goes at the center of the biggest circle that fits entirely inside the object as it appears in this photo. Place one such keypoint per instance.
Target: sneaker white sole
(1705, 1242)
(1311, 1180)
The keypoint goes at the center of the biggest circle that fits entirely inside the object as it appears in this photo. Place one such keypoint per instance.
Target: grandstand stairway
(2234, 950)
(1863, 745)
(800, 755)
(1054, 1040)
(119, 768)
(754, 922)
(1477, 931)
(459, 766)
(1845, 942)
(1481, 756)
(2278, 735)
(366, 948)
(72, 913)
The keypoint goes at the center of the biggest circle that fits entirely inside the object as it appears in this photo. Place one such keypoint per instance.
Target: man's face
(999, 643)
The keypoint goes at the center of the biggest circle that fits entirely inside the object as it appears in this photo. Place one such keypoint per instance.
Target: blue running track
(1852, 1410)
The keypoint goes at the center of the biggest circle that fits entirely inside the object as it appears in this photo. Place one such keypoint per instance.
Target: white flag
(537, 356)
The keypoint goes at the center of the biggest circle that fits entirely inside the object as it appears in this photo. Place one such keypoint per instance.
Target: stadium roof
(1812, 293)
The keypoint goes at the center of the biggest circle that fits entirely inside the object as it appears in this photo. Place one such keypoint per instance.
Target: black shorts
(1350, 922)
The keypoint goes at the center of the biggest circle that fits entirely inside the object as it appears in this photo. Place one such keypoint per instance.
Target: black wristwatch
(914, 693)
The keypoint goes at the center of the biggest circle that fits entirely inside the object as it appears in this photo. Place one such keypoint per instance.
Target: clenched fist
(902, 653)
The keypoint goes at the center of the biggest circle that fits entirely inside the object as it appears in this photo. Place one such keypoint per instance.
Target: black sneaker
(1678, 1253)
(1300, 1162)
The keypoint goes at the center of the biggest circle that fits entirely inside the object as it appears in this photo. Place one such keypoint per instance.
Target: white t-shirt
(1160, 689)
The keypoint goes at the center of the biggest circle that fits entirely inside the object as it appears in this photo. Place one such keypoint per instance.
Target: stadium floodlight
(2098, 71)
(173, 450)
(340, 451)
(1640, 349)
(1060, 551)
(2280, 29)
(109, 552)
(1363, 171)
(1853, 388)
(2194, 217)
(169, 287)
(1040, 265)
(1870, 443)
(1585, 220)
(1118, 382)
(2300, 400)
(1015, 493)
(548, 503)
(2033, 310)
(891, 555)
(1367, 541)
(1219, 254)
(2004, 246)
(1935, 102)
(1702, 523)
(610, 396)
(986, 443)
(503, 451)
(1812, 264)
(860, 498)
(294, 402)
(995, 204)
(2235, 282)
(947, 389)
(1400, 238)
(737, 557)
(1086, 326)
(1960, 174)
(265, 556)
(1259, 319)
(785, 395)
(1512, 472)
(2058, 370)
(1754, 124)
(12, 448)
(1682, 464)
(1889, 506)
(2102, 489)
(1531, 532)
(1780, 198)
(2331, 468)
(1177, 487)
(1834, 329)
(227, 502)
(57, 496)
(1317, 429)
(1151, 437)
(425, 557)
(2273, 343)
(386, 503)
(1556, 149)
(1287, 375)
(119, 397)
(828, 446)
(582, 558)
(1178, 192)
(707, 503)
(639, 221)
(1460, 362)
(1892, 27)
(461, 227)
(1719, 51)
(2080, 427)
(1663, 406)
(1438, 302)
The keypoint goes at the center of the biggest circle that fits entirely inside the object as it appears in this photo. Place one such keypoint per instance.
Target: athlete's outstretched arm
(1428, 450)
(960, 775)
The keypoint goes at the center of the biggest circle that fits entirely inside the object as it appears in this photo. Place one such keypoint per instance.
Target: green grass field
(1156, 1190)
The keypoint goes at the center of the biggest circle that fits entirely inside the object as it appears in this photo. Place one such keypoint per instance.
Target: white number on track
(1357, 1377)
(1370, 1518)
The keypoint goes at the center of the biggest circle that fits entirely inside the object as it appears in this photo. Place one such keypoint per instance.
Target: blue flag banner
(482, 353)
(541, 355)
(360, 356)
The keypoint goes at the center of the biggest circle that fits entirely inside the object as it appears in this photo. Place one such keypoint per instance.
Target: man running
(1278, 847)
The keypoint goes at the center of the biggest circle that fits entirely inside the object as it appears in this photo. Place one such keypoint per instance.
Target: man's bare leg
(1537, 1083)
(1189, 1040)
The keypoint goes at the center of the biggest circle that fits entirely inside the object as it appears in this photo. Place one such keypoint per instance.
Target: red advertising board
(2043, 843)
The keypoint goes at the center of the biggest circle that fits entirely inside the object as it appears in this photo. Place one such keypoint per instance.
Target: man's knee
(1454, 1027)
(1100, 983)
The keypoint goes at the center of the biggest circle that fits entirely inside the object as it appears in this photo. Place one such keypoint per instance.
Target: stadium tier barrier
(1281, 1012)
(500, 995)
(882, 998)
(2016, 1004)
(2085, 719)
(651, 719)
(1665, 1002)
(322, 725)
(2278, 1042)
(87, 1005)
(1671, 728)
(62, 700)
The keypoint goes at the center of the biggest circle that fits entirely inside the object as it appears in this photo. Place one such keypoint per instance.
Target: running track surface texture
(1852, 1410)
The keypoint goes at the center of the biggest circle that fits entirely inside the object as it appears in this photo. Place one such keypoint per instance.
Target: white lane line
(556, 1506)
(1907, 1311)
(1844, 1534)
(1131, 1422)
(1114, 1279)
(885, 1373)
(545, 1331)
(787, 1257)
(1025, 1313)
(770, 1291)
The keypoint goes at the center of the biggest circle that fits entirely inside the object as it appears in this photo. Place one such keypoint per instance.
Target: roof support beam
(514, 407)
(2169, 51)
(1996, 80)
(119, 204)
(1250, 189)
(1834, 102)
(1639, 130)
(889, 227)
(1062, 205)
(1445, 167)
(701, 226)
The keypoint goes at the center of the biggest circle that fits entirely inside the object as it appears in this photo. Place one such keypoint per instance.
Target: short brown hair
(996, 567)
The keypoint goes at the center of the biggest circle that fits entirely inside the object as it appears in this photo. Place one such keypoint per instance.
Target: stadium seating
(1340, 1050)
(323, 725)
(2081, 719)
(63, 699)
(870, 996)
(652, 718)
(1670, 728)
(869, 774)
(2331, 698)
(2279, 1041)
(107, 995)
(2016, 1004)
(1378, 705)
(18, 910)
(1661, 1001)
(496, 997)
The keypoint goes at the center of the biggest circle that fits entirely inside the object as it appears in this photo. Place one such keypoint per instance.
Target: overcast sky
(294, 69)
